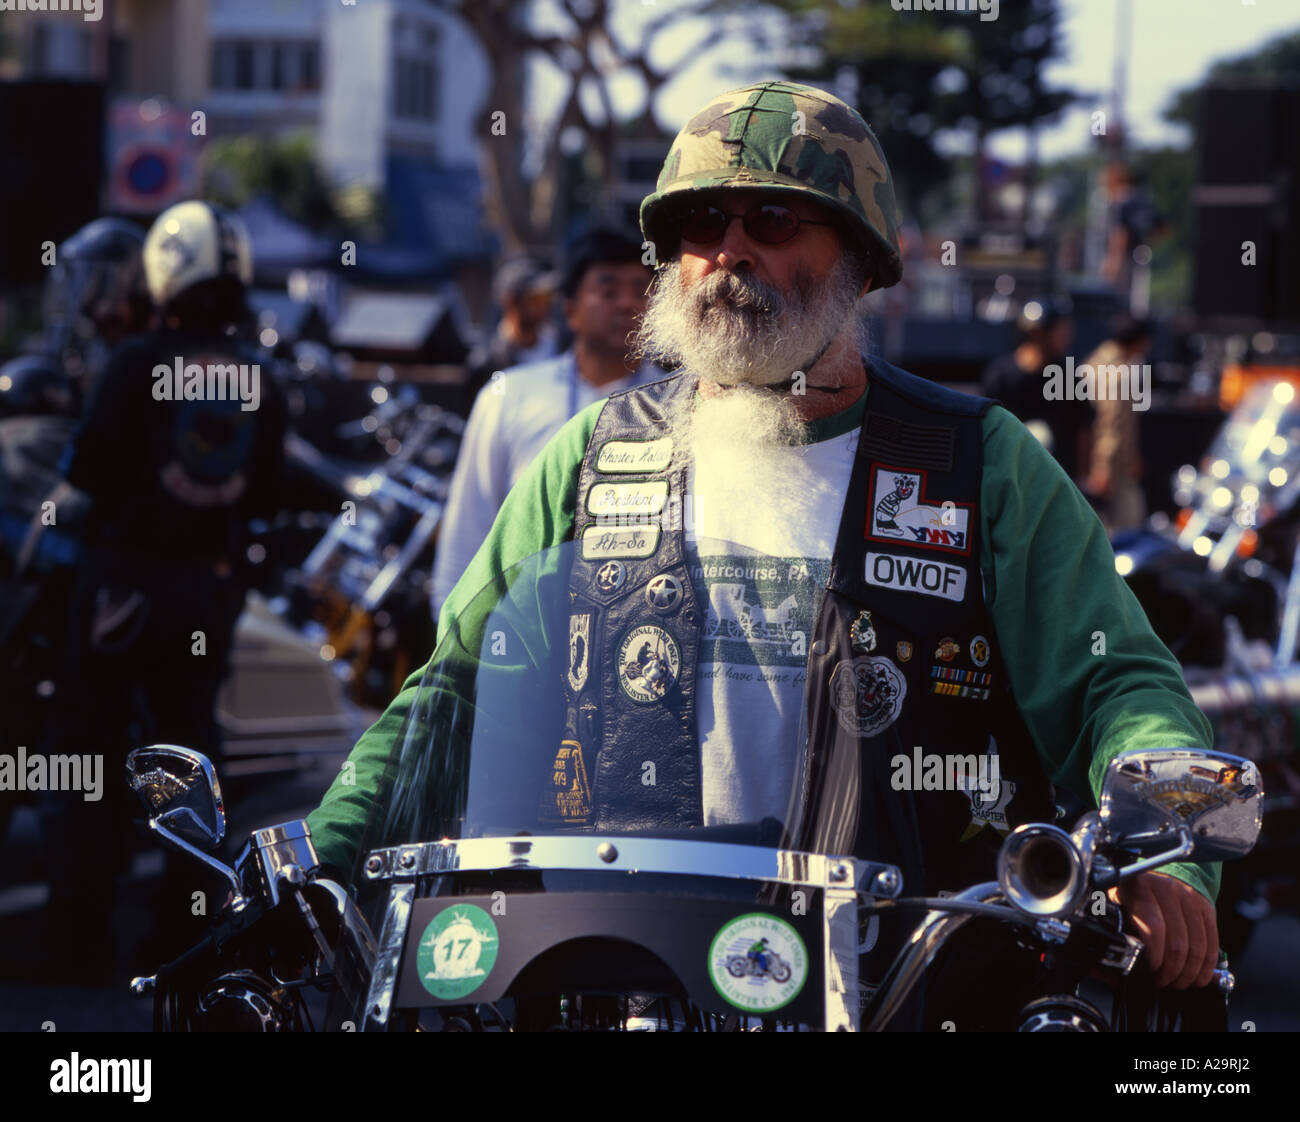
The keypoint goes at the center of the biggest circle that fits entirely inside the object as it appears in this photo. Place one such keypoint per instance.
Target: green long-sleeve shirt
(1089, 675)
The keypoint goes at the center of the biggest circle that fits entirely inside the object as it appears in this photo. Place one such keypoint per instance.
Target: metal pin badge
(863, 634)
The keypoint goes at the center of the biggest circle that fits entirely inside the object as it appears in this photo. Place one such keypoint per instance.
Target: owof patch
(867, 694)
(913, 574)
(627, 498)
(899, 511)
(599, 542)
(634, 455)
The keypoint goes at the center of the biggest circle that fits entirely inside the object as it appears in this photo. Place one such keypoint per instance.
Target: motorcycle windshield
(558, 704)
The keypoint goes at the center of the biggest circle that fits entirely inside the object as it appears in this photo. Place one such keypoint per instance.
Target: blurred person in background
(1113, 467)
(94, 297)
(604, 290)
(524, 291)
(1134, 221)
(174, 469)
(1044, 330)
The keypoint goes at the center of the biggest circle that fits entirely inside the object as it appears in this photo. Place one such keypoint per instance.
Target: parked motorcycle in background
(1221, 586)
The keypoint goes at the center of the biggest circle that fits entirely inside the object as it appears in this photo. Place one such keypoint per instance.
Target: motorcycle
(363, 591)
(767, 965)
(502, 883)
(1220, 584)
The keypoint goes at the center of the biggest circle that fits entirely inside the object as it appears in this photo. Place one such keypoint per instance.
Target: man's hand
(1177, 925)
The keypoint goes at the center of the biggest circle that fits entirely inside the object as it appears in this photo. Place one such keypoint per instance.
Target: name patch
(599, 542)
(634, 455)
(916, 574)
(627, 498)
(900, 511)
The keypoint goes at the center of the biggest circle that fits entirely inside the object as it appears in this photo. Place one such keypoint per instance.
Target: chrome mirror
(180, 793)
(1156, 796)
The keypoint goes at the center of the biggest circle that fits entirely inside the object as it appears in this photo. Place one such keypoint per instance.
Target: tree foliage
(918, 73)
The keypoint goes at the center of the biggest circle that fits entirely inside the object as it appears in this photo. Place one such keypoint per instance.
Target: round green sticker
(758, 962)
(457, 951)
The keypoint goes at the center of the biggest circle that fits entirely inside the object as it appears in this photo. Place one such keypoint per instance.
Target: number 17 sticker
(457, 951)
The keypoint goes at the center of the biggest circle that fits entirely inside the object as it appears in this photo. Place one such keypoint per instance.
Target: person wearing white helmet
(180, 446)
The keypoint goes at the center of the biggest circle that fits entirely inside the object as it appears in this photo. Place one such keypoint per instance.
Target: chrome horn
(1041, 871)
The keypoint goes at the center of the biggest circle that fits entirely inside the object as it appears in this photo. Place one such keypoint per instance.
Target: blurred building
(391, 90)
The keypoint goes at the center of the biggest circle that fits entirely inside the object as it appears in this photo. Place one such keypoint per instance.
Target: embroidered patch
(579, 650)
(649, 661)
(867, 694)
(634, 455)
(911, 574)
(624, 541)
(900, 511)
(925, 446)
(568, 798)
(627, 499)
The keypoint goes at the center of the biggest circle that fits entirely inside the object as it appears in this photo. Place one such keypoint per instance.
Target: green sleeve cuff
(1203, 877)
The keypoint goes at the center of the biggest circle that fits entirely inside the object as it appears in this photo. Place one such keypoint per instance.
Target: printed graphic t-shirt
(758, 578)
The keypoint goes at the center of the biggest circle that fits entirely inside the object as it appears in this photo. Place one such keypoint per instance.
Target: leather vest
(906, 688)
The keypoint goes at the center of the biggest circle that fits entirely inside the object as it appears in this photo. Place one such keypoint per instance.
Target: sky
(1173, 44)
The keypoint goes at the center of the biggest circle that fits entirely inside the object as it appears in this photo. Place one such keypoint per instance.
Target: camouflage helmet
(784, 138)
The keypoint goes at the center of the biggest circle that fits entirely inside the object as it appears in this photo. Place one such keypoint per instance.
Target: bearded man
(814, 548)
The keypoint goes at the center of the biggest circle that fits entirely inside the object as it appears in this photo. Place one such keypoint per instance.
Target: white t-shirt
(513, 418)
(759, 581)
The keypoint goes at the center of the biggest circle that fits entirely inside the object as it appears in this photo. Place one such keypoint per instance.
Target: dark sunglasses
(767, 223)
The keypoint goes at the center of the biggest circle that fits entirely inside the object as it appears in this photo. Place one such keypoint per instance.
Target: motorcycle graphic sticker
(457, 951)
(867, 694)
(758, 962)
(900, 511)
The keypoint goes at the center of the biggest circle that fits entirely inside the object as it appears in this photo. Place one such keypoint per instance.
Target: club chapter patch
(634, 455)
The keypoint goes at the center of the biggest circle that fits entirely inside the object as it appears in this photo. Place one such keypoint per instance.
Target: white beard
(742, 335)
(749, 443)
(732, 328)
